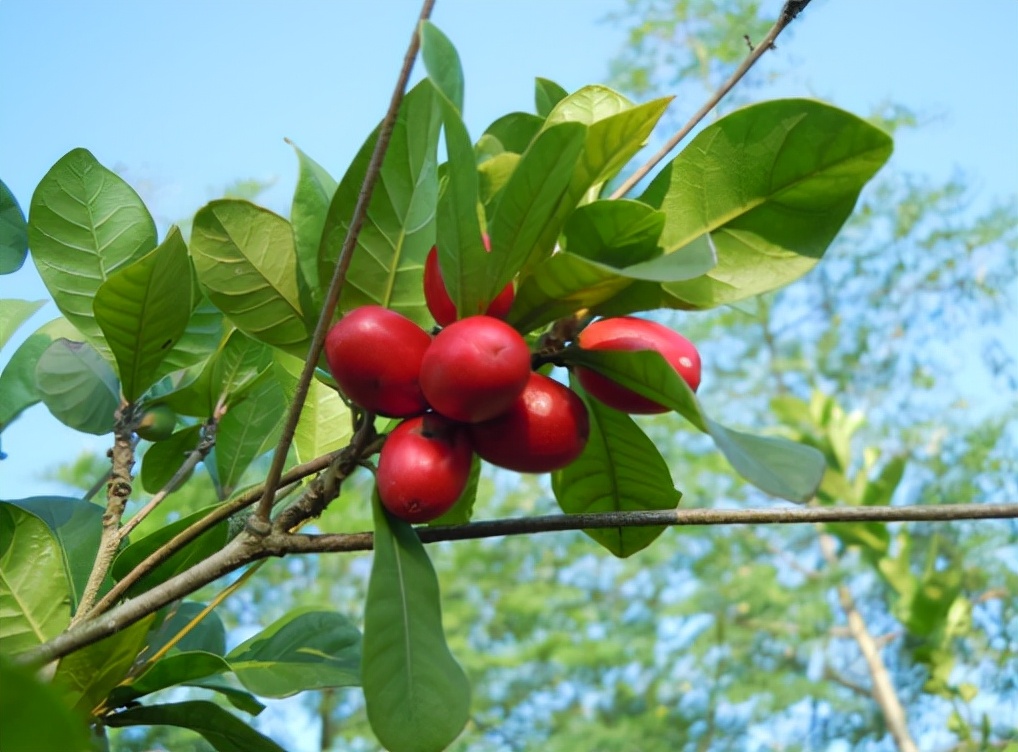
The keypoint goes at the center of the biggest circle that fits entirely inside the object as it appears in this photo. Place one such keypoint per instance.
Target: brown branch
(791, 9)
(118, 491)
(259, 522)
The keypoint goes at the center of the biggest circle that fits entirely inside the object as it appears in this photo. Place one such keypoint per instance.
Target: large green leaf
(418, 698)
(311, 199)
(32, 717)
(17, 381)
(141, 314)
(620, 470)
(527, 206)
(87, 676)
(442, 63)
(512, 133)
(85, 222)
(246, 262)
(239, 698)
(201, 335)
(35, 600)
(196, 551)
(547, 94)
(399, 230)
(78, 386)
(325, 423)
(77, 526)
(14, 313)
(223, 730)
(620, 233)
(306, 649)
(773, 183)
(13, 232)
(179, 668)
(775, 465)
(206, 636)
(163, 459)
(251, 424)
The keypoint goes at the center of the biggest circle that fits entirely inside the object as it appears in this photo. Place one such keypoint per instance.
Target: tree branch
(791, 9)
(259, 522)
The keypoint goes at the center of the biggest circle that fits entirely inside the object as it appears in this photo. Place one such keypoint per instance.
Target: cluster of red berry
(470, 389)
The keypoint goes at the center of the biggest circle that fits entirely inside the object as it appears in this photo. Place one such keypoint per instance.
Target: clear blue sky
(184, 97)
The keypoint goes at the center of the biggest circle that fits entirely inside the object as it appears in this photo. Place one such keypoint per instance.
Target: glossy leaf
(162, 459)
(311, 199)
(246, 262)
(492, 176)
(77, 526)
(442, 63)
(223, 730)
(169, 671)
(418, 698)
(85, 677)
(139, 311)
(306, 649)
(196, 551)
(14, 313)
(514, 132)
(547, 94)
(13, 232)
(78, 386)
(201, 335)
(774, 465)
(388, 263)
(17, 381)
(35, 601)
(32, 717)
(85, 222)
(206, 636)
(325, 423)
(773, 183)
(251, 423)
(528, 203)
(620, 470)
(620, 232)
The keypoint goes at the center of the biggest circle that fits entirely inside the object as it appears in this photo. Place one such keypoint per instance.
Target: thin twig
(259, 522)
(791, 9)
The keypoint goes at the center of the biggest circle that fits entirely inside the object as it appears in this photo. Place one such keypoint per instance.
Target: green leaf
(207, 636)
(880, 490)
(35, 601)
(872, 536)
(32, 717)
(305, 649)
(418, 698)
(239, 698)
(13, 232)
(442, 63)
(311, 198)
(223, 730)
(547, 94)
(85, 677)
(252, 422)
(325, 423)
(492, 176)
(773, 183)
(528, 203)
(461, 512)
(196, 551)
(77, 526)
(14, 313)
(162, 459)
(85, 222)
(514, 132)
(78, 386)
(179, 668)
(388, 262)
(247, 264)
(138, 309)
(17, 381)
(201, 335)
(774, 465)
(619, 233)
(620, 470)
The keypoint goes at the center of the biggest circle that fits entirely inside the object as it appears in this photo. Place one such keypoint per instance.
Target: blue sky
(183, 98)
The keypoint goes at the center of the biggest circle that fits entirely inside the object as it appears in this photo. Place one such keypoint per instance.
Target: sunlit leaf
(311, 199)
(442, 63)
(14, 313)
(547, 94)
(13, 232)
(78, 386)
(325, 423)
(33, 718)
(252, 422)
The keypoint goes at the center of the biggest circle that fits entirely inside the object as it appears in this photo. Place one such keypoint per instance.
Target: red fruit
(423, 467)
(474, 369)
(629, 333)
(544, 429)
(441, 305)
(375, 356)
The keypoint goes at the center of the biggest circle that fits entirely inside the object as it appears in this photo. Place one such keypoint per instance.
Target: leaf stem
(791, 9)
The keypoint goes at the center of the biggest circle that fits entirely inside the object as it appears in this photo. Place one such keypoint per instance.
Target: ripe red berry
(375, 356)
(440, 304)
(474, 369)
(423, 467)
(629, 333)
(544, 429)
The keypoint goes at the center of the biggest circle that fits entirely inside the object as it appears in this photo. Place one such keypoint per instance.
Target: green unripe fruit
(157, 423)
